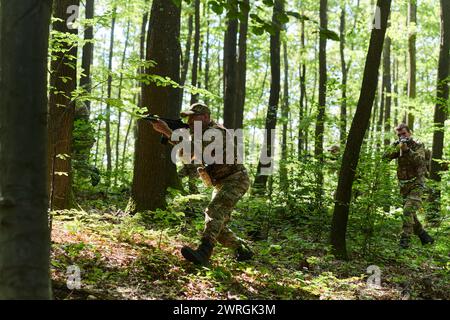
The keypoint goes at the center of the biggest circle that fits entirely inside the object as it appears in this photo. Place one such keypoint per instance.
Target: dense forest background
(333, 77)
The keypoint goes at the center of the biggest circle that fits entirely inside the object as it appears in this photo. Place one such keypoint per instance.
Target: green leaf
(297, 15)
(268, 3)
(328, 34)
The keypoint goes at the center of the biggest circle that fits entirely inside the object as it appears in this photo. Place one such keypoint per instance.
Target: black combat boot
(425, 238)
(201, 255)
(243, 253)
(404, 241)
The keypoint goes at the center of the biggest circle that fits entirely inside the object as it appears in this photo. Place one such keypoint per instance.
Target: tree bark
(260, 182)
(442, 93)
(108, 106)
(24, 230)
(357, 131)
(387, 83)
(63, 81)
(154, 171)
(230, 67)
(412, 22)
(320, 122)
(303, 112)
(284, 121)
(343, 115)
(242, 66)
(195, 60)
(88, 53)
(119, 96)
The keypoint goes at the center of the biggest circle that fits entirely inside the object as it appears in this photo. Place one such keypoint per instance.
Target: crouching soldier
(230, 182)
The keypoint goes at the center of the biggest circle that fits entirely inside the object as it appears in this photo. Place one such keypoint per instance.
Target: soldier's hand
(162, 127)
(403, 146)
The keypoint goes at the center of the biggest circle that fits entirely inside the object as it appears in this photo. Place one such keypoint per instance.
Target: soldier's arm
(418, 156)
(391, 153)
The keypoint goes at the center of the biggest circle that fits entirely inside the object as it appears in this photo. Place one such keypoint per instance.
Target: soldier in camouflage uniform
(411, 171)
(230, 182)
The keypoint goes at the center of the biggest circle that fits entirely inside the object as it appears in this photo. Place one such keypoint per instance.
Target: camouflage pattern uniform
(411, 172)
(230, 182)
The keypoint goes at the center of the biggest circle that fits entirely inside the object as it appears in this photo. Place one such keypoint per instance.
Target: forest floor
(138, 257)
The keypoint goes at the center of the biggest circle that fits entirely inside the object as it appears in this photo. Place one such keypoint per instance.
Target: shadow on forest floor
(122, 257)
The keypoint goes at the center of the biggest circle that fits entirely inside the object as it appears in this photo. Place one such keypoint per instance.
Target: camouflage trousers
(218, 212)
(412, 197)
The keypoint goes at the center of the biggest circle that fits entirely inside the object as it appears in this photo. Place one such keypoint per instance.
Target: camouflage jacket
(411, 165)
(217, 171)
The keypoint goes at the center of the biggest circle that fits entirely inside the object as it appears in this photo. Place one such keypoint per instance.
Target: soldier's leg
(410, 220)
(228, 239)
(218, 212)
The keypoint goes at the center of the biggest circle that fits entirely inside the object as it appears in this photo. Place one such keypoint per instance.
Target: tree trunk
(357, 131)
(154, 171)
(387, 88)
(343, 115)
(302, 112)
(119, 96)
(63, 82)
(396, 93)
(264, 168)
(320, 122)
(108, 106)
(142, 39)
(284, 121)
(207, 49)
(195, 62)
(442, 93)
(230, 67)
(187, 51)
(88, 53)
(242, 66)
(412, 22)
(24, 230)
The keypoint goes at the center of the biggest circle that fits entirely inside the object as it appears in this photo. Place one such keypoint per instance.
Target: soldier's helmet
(196, 108)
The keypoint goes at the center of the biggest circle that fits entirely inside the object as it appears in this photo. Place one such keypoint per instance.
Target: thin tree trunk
(396, 93)
(442, 93)
(357, 131)
(142, 39)
(63, 81)
(387, 89)
(230, 68)
(187, 53)
(320, 122)
(195, 61)
(412, 22)
(302, 111)
(242, 66)
(264, 168)
(119, 96)
(24, 230)
(207, 63)
(343, 115)
(88, 53)
(108, 106)
(284, 117)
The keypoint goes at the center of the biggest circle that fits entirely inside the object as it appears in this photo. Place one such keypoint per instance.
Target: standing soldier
(411, 170)
(230, 183)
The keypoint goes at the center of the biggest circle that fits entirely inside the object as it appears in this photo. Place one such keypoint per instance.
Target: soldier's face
(403, 133)
(203, 118)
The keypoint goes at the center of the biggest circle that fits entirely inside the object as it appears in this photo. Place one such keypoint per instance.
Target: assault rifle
(403, 140)
(171, 123)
